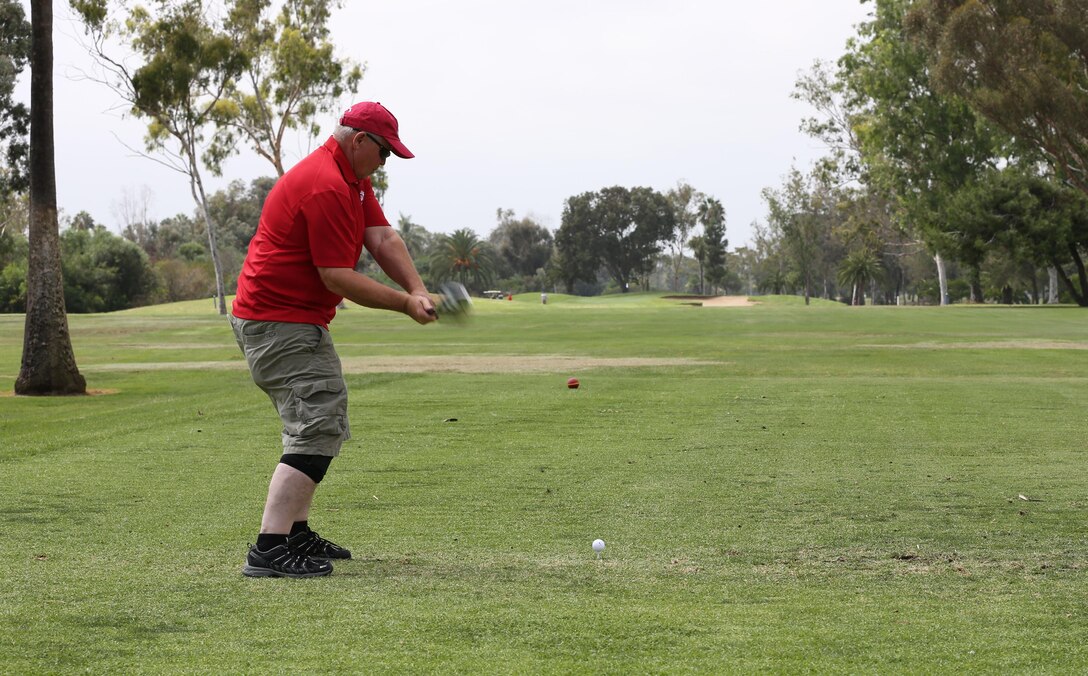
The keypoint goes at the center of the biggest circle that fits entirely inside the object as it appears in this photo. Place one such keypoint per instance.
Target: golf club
(453, 302)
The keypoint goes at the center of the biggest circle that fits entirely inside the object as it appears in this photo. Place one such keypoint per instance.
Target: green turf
(836, 491)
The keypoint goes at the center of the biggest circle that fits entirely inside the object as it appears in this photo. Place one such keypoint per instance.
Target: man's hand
(420, 307)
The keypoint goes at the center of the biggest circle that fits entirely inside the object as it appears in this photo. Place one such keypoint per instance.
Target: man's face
(368, 152)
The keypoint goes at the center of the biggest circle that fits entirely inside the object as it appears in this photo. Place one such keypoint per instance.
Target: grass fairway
(782, 488)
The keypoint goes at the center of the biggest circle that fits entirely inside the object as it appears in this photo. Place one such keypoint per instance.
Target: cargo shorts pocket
(248, 331)
(321, 408)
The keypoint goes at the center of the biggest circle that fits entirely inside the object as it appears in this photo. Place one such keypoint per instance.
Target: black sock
(266, 541)
(299, 527)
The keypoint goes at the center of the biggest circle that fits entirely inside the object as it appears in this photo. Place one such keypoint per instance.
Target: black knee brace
(313, 466)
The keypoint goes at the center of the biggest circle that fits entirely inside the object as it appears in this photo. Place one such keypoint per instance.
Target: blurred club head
(454, 302)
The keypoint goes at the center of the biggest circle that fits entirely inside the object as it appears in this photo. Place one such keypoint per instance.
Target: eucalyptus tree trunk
(1052, 289)
(48, 364)
(197, 187)
(942, 277)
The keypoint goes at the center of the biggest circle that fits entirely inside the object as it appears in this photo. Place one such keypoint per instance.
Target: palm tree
(49, 364)
(858, 269)
(464, 257)
(413, 235)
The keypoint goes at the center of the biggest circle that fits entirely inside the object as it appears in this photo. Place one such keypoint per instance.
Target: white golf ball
(598, 545)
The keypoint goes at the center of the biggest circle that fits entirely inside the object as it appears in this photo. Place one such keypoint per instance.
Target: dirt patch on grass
(173, 346)
(504, 363)
(438, 364)
(89, 393)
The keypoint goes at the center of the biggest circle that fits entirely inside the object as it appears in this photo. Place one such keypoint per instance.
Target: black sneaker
(319, 548)
(284, 561)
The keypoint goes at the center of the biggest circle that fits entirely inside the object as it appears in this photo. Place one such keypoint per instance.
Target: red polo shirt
(314, 217)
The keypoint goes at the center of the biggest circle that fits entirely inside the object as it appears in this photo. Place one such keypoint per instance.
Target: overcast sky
(518, 105)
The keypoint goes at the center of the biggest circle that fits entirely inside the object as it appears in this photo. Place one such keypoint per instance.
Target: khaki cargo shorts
(297, 367)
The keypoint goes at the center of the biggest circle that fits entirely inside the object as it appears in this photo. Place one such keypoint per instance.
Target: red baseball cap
(376, 119)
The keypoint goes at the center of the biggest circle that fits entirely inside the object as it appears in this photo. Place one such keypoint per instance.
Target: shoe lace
(295, 559)
(315, 544)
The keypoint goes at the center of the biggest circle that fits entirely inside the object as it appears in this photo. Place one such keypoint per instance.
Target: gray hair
(342, 133)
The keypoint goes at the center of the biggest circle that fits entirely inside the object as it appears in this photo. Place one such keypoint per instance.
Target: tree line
(957, 159)
(609, 240)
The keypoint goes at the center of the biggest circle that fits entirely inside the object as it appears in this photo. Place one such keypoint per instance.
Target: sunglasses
(383, 151)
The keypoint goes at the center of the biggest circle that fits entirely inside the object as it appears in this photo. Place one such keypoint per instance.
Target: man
(300, 265)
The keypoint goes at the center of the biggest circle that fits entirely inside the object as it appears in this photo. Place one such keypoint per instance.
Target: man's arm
(387, 248)
(390, 253)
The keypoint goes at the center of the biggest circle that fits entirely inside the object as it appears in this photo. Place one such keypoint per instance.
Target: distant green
(782, 488)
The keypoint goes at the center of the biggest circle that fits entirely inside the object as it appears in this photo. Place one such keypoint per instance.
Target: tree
(766, 262)
(1022, 64)
(743, 264)
(419, 242)
(576, 256)
(871, 213)
(618, 228)
(522, 246)
(464, 257)
(290, 76)
(713, 242)
(699, 251)
(236, 210)
(415, 236)
(180, 89)
(14, 212)
(915, 143)
(798, 212)
(162, 240)
(685, 202)
(82, 221)
(103, 272)
(48, 365)
(1030, 218)
(183, 279)
(858, 269)
(133, 212)
(766, 267)
(14, 116)
(825, 92)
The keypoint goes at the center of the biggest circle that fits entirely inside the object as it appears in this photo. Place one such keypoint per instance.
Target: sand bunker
(728, 301)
